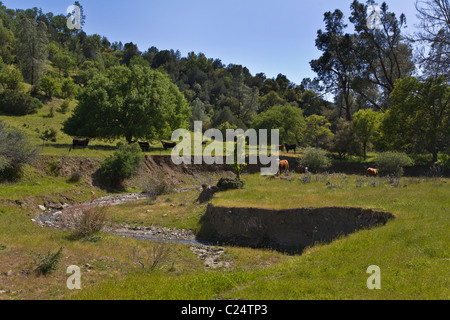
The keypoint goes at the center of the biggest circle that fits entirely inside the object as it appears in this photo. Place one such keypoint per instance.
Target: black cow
(290, 147)
(145, 146)
(168, 145)
(80, 143)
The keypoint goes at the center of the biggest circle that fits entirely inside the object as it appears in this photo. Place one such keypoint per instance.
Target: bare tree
(434, 24)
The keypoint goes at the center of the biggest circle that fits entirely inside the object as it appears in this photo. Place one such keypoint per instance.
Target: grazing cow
(145, 146)
(281, 147)
(300, 169)
(372, 172)
(290, 147)
(168, 145)
(284, 166)
(80, 143)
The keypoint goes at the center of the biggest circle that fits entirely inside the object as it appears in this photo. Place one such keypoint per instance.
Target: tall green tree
(31, 48)
(336, 67)
(420, 117)
(366, 126)
(286, 118)
(131, 103)
(6, 44)
(317, 132)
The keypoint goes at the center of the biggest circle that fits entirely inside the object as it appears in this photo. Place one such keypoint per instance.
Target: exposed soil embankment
(292, 229)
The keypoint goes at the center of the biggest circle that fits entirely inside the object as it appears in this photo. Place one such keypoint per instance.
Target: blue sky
(264, 35)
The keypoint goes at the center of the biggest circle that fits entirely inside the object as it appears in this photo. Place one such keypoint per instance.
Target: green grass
(412, 251)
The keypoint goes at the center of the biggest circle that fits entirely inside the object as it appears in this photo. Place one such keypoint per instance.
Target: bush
(123, 164)
(315, 160)
(392, 163)
(15, 152)
(17, 103)
(50, 135)
(49, 263)
(160, 184)
(64, 106)
(225, 184)
(152, 257)
(75, 177)
(54, 168)
(86, 220)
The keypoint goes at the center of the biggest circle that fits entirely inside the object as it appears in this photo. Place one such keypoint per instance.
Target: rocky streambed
(212, 256)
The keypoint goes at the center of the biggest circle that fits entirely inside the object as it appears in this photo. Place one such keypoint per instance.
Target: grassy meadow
(412, 251)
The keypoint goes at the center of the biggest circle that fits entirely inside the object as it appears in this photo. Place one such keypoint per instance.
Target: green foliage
(237, 167)
(225, 184)
(64, 106)
(366, 126)
(392, 163)
(317, 132)
(47, 264)
(63, 62)
(50, 85)
(15, 152)
(420, 117)
(17, 103)
(316, 160)
(288, 119)
(123, 164)
(136, 103)
(30, 34)
(50, 134)
(53, 168)
(68, 88)
(11, 78)
(344, 142)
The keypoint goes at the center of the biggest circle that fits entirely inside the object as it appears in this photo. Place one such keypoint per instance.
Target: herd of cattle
(283, 165)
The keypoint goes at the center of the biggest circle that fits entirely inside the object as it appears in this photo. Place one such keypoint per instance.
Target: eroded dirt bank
(292, 229)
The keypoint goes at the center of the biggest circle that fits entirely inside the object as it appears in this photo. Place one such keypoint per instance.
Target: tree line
(387, 96)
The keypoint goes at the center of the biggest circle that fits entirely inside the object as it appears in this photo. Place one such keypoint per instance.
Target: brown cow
(371, 172)
(284, 166)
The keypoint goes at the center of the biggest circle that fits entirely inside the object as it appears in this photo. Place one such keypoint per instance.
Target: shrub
(315, 160)
(49, 263)
(51, 113)
(11, 77)
(392, 163)
(68, 88)
(123, 164)
(53, 168)
(75, 177)
(160, 184)
(17, 103)
(49, 85)
(225, 184)
(50, 135)
(64, 106)
(86, 220)
(150, 258)
(15, 152)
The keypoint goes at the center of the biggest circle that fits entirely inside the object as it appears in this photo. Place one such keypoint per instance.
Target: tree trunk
(365, 150)
(435, 156)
